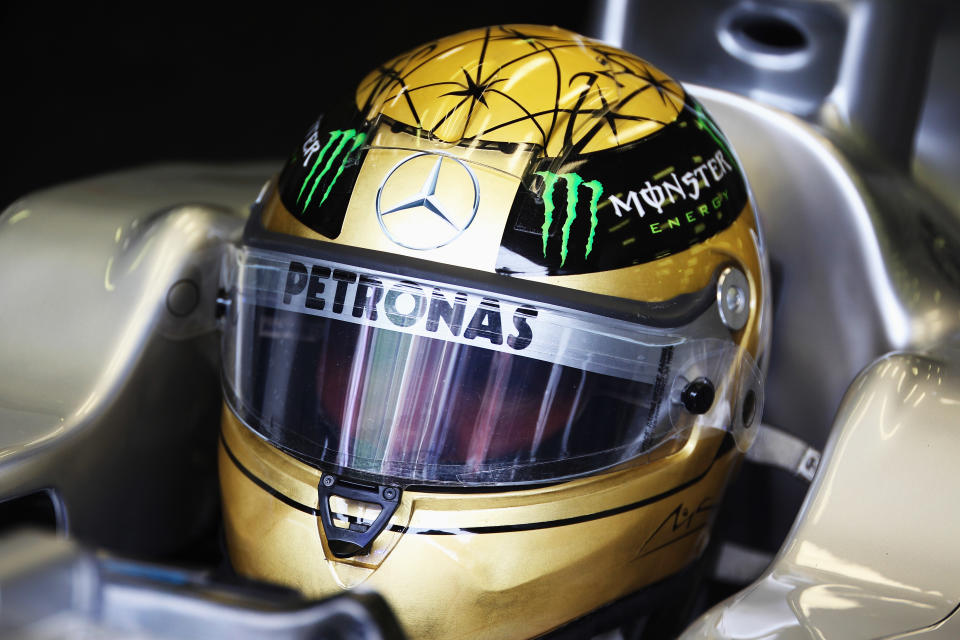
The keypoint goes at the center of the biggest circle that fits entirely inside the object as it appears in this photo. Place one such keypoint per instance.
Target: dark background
(89, 89)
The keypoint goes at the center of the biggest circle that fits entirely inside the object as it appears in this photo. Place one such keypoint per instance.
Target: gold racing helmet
(493, 339)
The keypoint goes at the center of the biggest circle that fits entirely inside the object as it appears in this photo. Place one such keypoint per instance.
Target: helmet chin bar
(356, 537)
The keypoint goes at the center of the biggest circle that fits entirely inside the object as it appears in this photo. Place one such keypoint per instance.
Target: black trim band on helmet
(632, 204)
(726, 445)
(675, 312)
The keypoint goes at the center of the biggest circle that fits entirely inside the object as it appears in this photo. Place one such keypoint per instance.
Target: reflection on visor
(417, 382)
(385, 402)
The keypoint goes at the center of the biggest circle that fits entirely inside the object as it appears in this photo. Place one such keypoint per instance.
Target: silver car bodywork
(871, 554)
(109, 360)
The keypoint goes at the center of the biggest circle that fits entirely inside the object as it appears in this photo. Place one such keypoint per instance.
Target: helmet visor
(418, 382)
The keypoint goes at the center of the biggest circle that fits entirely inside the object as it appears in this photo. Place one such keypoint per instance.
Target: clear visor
(419, 382)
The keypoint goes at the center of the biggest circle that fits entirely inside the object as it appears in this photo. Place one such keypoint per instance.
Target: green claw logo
(342, 139)
(573, 181)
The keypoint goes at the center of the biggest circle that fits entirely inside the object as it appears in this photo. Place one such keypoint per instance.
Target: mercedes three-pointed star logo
(441, 225)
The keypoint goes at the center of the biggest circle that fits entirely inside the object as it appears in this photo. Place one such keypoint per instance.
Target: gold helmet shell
(476, 359)
(523, 84)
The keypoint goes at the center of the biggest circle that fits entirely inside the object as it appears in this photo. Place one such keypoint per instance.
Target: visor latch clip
(357, 536)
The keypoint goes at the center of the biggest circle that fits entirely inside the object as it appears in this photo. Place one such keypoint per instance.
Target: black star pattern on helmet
(474, 90)
(657, 85)
(477, 87)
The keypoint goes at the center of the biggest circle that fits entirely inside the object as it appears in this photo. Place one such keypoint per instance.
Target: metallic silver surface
(740, 46)
(873, 553)
(853, 276)
(109, 388)
(880, 88)
(736, 33)
(880, 74)
(864, 262)
(936, 162)
(733, 298)
(52, 588)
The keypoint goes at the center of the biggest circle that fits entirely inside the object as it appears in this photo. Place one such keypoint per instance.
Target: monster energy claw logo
(573, 181)
(339, 141)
